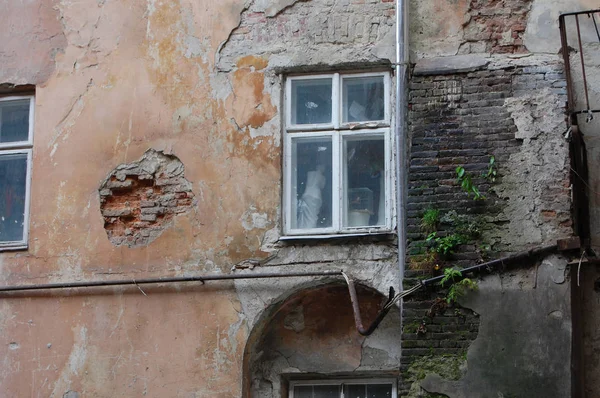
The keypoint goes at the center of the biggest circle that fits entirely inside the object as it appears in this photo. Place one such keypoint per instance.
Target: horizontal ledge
(348, 235)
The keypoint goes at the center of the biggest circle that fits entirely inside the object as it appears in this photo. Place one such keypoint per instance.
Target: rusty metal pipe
(215, 277)
(135, 282)
(567, 61)
(356, 309)
(585, 88)
(490, 265)
(566, 14)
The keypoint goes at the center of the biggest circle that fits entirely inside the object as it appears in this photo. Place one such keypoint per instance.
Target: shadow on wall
(313, 332)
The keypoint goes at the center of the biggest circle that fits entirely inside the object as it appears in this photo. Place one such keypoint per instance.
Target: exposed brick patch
(496, 26)
(139, 200)
(461, 120)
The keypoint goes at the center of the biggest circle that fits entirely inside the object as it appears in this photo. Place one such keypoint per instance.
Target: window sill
(14, 248)
(380, 235)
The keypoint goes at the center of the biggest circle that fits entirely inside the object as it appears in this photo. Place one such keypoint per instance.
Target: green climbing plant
(456, 284)
(492, 172)
(446, 244)
(466, 183)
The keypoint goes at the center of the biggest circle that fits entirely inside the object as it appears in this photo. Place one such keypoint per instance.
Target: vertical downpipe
(400, 124)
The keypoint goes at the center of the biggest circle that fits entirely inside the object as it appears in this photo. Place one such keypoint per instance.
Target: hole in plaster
(139, 200)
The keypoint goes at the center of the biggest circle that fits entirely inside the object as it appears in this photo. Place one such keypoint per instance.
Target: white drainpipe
(401, 150)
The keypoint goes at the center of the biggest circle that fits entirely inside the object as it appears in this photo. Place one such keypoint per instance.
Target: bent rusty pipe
(356, 309)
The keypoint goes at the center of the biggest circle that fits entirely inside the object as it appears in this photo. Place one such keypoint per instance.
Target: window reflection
(311, 158)
(311, 101)
(363, 99)
(364, 168)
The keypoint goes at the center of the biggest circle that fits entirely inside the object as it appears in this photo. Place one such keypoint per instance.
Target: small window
(16, 142)
(337, 171)
(344, 389)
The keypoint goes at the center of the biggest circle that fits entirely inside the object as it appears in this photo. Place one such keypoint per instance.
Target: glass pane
(303, 392)
(379, 391)
(14, 120)
(13, 180)
(311, 183)
(364, 174)
(355, 391)
(363, 99)
(326, 391)
(311, 101)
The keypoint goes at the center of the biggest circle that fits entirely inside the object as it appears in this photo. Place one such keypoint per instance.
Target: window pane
(14, 120)
(303, 392)
(379, 391)
(363, 99)
(311, 183)
(311, 101)
(13, 174)
(326, 391)
(364, 185)
(355, 391)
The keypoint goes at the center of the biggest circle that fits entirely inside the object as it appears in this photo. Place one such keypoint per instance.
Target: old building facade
(260, 148)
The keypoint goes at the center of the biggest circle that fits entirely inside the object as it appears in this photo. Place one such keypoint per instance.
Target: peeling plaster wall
(314, 332)
(198, 81)
(182, 78)
(486, 72)
(512, 356)
(40, 23)
(452, 27)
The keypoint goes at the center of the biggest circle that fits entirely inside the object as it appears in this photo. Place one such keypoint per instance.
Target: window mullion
(337, 178)
(287, 181)
(335, 100)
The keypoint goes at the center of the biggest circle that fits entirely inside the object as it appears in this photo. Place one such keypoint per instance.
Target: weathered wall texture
(513, 110)
(452, 27)
(590, 281)
(497, 88)
(590, 128)
(314, 332)
(157, 153)
(511, 307)
(183, 98)
(40, 24)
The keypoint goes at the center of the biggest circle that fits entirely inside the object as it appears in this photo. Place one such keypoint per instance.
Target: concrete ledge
(450, 65)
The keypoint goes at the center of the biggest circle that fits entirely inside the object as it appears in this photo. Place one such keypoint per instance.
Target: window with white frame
(382, 388)
(337, 156)
(16, 142)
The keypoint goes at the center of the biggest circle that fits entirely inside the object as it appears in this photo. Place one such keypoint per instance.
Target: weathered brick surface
(461, 120)
(496, 26)
(139, 200)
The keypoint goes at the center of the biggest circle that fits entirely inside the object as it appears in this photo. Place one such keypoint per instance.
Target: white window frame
(337, 129)
(25, 147)
(342, 382)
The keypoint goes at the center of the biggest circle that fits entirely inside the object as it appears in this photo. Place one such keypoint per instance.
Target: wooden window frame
(24, 147)
(337, 130)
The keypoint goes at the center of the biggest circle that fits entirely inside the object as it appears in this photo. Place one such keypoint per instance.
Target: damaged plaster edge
(451, 65)
(245, 7)
(325, 67)
(16, 88)
(445, 65)
(257, 297)
(279, 7)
